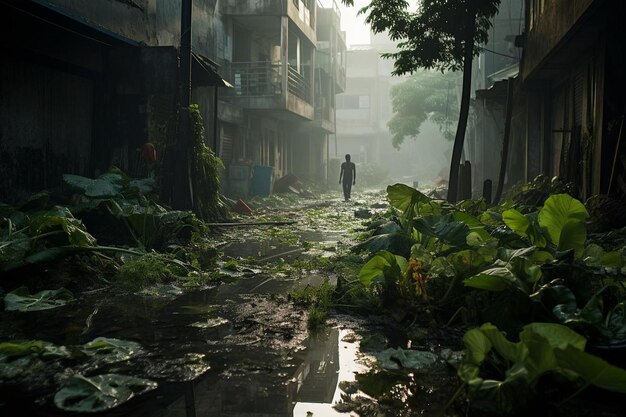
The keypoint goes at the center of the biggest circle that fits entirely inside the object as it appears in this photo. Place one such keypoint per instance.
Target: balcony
(304, 17)
(270, 86)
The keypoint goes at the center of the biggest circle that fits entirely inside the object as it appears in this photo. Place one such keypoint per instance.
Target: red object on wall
(148, 153)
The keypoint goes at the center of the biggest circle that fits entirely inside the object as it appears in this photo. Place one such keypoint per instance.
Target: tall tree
(426, 95)
(440, 34)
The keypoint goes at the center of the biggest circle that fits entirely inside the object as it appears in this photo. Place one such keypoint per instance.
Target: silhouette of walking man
(348, 172)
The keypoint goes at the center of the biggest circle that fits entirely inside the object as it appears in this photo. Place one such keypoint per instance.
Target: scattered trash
(362, 214)
(241, 207)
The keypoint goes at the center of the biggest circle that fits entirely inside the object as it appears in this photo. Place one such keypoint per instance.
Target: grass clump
(149, 269)
(318, 299)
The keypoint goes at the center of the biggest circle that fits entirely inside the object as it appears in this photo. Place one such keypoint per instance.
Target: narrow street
(240, 348)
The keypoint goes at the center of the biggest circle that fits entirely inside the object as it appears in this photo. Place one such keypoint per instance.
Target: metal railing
(298, 85)
(264, 78)
(254, 79)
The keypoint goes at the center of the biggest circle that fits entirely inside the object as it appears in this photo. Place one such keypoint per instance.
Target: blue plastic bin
(262, 180)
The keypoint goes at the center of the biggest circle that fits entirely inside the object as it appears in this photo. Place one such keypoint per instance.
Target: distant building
(83, 84)
(365, 107)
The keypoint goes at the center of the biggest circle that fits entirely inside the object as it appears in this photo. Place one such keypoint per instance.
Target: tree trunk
(459, 138)
(505, 141)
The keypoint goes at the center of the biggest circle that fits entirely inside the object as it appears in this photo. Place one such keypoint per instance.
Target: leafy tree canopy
(433, 36)
(426, 95)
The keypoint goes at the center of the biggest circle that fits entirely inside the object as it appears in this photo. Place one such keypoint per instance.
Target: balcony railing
(298, 85)
(254, 79)
(264, 78)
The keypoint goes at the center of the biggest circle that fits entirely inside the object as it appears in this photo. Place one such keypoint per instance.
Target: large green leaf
(403, 197)
(405, 358)
(107, 185)
(383, 264)
(573, 236)
(592, 369)
(477, 345)
(444, 228)
(508, 350)
(99, 393)
(475, 225)
(21, 300)
(61, 217)
(109, 350)
(516, 222)
(494, 279)
(399, 243)
(557, 211)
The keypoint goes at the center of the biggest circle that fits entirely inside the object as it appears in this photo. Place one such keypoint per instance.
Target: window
(353, 101)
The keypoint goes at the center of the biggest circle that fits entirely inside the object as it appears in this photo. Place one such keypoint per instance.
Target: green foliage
(28, 238)
(21, 300)
(423, 96)
(150, 269)
(318, 299)
(405, 358)
(101, 392)
(543, 348)
(109, 350)
(434, 37)
(204, 168)
(562, 218)
(383, 267)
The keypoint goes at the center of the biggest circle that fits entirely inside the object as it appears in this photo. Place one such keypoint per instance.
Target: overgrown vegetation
(526, 266)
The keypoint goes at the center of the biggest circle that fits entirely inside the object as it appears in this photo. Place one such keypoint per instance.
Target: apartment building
(84, 84)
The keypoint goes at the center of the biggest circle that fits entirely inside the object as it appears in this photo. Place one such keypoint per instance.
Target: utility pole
(185, 52)
(182, 194)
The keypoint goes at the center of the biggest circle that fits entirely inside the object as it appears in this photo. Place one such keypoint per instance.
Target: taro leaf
(557, 211)
(516, 222)
(404, 198)
(552, 295)
(14, 248)
(592, 369)
(477, 345)
(20, 299)
(144, 186)
(383, 264)
(111, 350)
(524, 225)
(19, 348)
(494, 279)
(62, 217)
(475, 226)
(398, 243)
(508, 350)
(466, 262)
(409, 359)
(387, 228)
(573, 236)
(99, 393)
(556, 335)
(444, 228)
(107, 185)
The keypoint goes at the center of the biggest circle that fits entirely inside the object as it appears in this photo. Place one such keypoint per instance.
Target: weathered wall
(548, 29)
(133, 19)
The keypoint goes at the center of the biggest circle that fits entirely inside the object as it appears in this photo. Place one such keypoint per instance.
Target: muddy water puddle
(235, 349)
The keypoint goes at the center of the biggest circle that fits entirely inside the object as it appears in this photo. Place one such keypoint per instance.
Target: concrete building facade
(84, 84)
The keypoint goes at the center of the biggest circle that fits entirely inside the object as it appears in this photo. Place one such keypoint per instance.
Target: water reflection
(311, 387)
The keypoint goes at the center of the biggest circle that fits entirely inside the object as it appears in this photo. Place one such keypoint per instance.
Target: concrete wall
(548, 27)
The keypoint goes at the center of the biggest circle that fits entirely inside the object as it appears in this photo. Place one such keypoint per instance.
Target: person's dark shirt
(348, 169)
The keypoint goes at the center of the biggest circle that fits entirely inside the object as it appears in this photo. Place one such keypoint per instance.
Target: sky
(357, 32)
